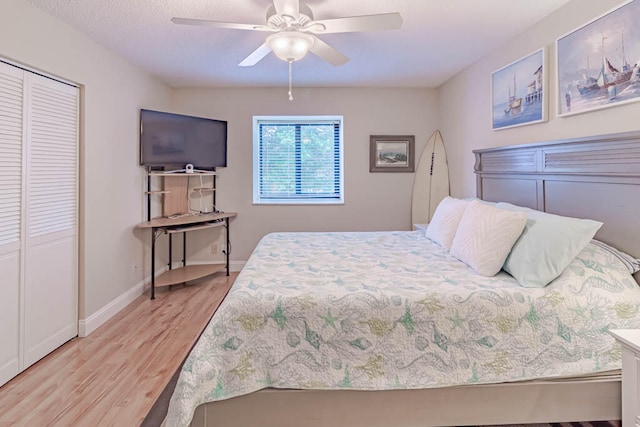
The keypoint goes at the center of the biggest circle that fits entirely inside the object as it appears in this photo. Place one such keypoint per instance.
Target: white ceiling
(437, 40)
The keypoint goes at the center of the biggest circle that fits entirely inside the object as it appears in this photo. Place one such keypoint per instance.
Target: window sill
(299, 203)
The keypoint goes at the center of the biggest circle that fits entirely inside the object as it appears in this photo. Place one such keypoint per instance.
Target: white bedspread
(386, 310)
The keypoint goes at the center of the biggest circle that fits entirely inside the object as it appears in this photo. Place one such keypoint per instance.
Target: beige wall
(465, 100)
(112, 91)
(373, 201)
(112, 182)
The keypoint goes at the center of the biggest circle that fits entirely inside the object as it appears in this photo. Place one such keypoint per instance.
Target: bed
(387, 328)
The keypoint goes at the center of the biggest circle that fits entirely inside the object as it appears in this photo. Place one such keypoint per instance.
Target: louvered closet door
(50, 309)
(11, 133)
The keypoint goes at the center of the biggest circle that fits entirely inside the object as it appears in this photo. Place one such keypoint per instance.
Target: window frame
(257, 200)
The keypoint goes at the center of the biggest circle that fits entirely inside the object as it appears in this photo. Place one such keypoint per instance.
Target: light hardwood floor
(113, 376)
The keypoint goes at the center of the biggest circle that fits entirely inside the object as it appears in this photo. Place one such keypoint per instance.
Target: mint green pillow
(547, 246)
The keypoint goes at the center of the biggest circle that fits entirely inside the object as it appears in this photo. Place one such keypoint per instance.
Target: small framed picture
(519, 92)
(391, 153)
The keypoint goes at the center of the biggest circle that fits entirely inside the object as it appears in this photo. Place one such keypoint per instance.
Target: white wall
(373, 201)
(112, 91)
(465, 100)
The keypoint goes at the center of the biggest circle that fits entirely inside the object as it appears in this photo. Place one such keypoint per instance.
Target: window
(297, 160)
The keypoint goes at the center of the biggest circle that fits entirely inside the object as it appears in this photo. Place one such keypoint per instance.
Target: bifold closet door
(11, 135)
(51, 258)
(38, 217)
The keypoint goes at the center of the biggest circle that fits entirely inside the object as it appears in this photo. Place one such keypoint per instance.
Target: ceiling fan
(294, 31)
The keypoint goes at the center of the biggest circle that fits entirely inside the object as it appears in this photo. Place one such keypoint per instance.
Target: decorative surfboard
(431, 181)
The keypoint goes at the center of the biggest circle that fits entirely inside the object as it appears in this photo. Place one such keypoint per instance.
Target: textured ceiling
(437, 39)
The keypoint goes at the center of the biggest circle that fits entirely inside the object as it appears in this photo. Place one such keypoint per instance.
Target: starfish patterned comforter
(392, 310)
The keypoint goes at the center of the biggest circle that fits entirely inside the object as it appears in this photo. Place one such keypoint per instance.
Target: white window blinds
(298, 160)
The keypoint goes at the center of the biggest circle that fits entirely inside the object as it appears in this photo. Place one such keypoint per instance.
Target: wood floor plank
(113, 376)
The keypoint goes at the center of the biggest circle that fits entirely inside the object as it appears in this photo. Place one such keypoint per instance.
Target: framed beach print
(389, 153)
(519, 92)
(598, 62)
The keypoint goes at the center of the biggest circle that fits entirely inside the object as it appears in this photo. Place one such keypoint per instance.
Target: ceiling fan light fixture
(290, 45)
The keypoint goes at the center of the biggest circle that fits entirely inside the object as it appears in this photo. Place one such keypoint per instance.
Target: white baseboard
(93, 322)
(236, 265)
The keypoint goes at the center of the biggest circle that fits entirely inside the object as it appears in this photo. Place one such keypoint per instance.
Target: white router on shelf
(187, 169)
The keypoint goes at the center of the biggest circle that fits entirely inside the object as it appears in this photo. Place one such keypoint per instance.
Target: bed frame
(595, 177)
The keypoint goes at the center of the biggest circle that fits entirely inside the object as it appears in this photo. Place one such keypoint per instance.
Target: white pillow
(485, 237)
(547, 246)
(445, 221)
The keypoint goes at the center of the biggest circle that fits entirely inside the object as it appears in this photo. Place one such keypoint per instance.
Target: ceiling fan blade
(288, 8)
(255, 56)
(218, 24)
(384, 21)
(328, 53)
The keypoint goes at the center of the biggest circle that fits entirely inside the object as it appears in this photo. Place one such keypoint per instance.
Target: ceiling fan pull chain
(290, 67)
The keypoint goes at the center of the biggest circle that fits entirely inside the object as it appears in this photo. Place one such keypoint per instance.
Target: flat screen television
(170, 140)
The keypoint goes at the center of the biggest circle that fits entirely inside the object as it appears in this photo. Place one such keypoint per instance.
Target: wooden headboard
(596, 177)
